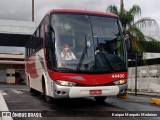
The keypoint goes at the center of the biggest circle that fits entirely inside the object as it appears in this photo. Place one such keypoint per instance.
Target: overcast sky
(21, 9)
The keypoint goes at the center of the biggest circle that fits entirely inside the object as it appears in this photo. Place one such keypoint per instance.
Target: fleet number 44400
(118, 75)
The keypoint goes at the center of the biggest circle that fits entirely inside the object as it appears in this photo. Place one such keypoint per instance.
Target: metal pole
(32, 10)
(136, 74)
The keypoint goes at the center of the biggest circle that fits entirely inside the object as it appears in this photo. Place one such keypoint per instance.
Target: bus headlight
(65, 83)
(120, 82)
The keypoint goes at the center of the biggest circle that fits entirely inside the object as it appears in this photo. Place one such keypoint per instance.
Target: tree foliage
(130, 23)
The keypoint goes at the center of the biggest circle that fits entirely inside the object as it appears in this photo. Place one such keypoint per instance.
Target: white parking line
(3, 107)
(17, 91)
(3, 93)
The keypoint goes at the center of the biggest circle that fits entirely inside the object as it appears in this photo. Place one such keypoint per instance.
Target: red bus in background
(99, 67)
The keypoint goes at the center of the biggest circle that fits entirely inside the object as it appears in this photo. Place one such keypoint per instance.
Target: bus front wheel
(100, 99)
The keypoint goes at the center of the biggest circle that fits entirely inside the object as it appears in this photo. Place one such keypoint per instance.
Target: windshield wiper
(82, 56)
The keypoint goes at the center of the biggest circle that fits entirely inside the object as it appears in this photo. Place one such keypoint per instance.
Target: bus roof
(81, 11)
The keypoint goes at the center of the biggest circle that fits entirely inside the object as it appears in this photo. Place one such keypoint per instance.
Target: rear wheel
(32, 90)
(100, 99)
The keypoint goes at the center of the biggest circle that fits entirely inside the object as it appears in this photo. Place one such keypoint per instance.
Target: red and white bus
(97, 41)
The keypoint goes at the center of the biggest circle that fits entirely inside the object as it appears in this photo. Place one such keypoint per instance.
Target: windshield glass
(88, 43)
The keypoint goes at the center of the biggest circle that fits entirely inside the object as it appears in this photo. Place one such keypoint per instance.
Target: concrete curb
(145, 93)
(155, 101)
(3, 107)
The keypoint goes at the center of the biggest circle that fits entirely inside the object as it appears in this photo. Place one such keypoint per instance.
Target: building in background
(11, 66)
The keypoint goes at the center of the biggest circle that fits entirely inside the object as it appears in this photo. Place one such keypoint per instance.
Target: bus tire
(32, 90)
(100, 99)
(47, 98)
(28, 82)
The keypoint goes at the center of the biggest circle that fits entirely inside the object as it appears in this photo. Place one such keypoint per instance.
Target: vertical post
(135, 74)
(32, 10)
(121, 5)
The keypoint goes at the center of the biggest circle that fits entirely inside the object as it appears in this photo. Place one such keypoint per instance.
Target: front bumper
(77, 92)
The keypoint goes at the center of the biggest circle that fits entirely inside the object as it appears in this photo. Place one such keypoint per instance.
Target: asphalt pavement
(18, 98)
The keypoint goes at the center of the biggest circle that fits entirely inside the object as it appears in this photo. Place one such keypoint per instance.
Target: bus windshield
(88, 43)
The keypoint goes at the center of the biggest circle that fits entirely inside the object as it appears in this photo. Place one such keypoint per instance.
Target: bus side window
(41, 34)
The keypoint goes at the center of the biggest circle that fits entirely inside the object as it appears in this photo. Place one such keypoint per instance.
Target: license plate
(95, 92)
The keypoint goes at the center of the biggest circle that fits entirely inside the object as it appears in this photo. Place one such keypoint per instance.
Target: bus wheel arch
(28, 81)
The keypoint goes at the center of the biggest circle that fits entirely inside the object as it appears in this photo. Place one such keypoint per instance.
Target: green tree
(127, 18)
